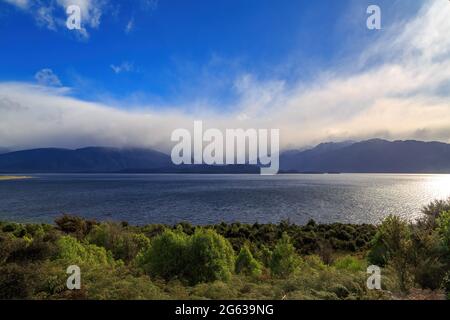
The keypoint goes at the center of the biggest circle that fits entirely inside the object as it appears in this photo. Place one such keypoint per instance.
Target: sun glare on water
(440, 185)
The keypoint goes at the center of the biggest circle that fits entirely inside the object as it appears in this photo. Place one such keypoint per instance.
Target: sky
(138, 69)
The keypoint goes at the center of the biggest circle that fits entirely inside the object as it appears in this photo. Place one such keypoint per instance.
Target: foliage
(202, 257)
(247, 264)
(349, 263)
(284, 258)
(75, 253)
(275, 261)
(394, 236)
(167, 256)
(123, 244)
(211, 257)
(16, 282)
(76, 226)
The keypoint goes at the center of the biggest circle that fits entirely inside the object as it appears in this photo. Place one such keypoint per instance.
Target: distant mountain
(290, 159)
(104, 160)
(92, 159)
(4, 150)
(371, 156)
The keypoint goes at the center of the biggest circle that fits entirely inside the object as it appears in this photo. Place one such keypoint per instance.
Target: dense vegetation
(227, 261)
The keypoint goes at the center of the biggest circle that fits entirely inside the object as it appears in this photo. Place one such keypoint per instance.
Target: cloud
(130, 26)
(44, 17)
(401, 96)
(52, 14)
(46, 77)
(123, 67)
(19, 3)
(91, 10)
(149, 4)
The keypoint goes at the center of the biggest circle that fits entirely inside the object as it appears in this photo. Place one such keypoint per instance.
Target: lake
(205, 199)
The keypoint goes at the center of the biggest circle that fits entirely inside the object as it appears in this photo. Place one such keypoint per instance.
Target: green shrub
(432, 212)
(28, 250)
(167, 256)
(265, 256)
(216, 290)
(16, 282)
(123, 244)
(284, 259)
(76, 226)
(443, 228)
(203, 257)
(247, 264)
(349, 263)
(377, 254)
(394, 237)
(74, 252)
(211, 257)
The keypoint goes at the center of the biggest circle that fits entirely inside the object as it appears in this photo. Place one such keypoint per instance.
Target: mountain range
(370, 156)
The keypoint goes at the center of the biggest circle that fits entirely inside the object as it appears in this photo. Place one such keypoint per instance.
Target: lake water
(204, 199)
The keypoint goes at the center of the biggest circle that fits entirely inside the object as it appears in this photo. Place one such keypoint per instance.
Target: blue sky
(140, 68)
(178, 50)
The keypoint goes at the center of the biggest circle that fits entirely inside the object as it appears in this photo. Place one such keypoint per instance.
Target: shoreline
(7, 178)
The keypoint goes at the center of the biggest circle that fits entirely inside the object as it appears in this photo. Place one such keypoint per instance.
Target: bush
(211, 257)
(7, 245)
(432, 212)
(29, 250)
(16, 282)
(205, 256)
(265, 256)
(75, 226)
(393, 240)
(349, 263)
(74, 252)
(247, 264)
(284, 259)
(167, 256)
(443, 228)
(123, 244)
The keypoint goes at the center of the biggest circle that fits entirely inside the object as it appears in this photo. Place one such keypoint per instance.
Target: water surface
(204, 199)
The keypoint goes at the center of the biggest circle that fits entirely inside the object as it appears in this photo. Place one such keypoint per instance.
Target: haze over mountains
(371, 156)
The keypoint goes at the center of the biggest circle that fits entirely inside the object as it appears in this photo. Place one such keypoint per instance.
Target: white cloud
(52, 13)
(123, 67)
(130, 26)
(149, 4)
(44, 17)
(18, 3)
(91, 10)
(46, 77)
(404, 96)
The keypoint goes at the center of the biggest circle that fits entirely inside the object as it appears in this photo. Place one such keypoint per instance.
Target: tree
(247, 264)
(167, 256)
(393, 242)
(74, 252)
(211, 257)
(284, 258)
(123, 244)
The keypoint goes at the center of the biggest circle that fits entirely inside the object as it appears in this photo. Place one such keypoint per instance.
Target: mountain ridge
(373, 156)
(368, 156)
